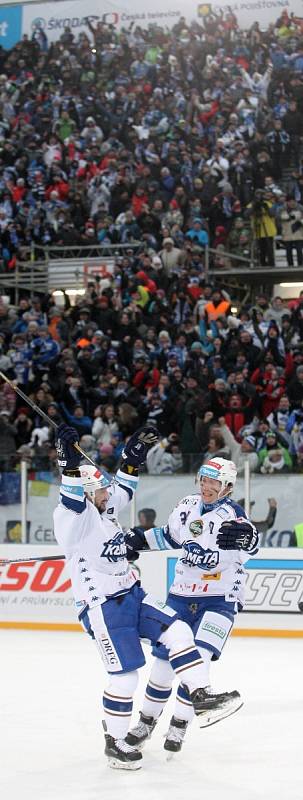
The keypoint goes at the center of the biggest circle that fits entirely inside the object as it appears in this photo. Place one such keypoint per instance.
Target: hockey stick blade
(300, 606)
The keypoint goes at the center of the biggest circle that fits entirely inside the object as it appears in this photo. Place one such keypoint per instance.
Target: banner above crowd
(54, 17)
(16, 19)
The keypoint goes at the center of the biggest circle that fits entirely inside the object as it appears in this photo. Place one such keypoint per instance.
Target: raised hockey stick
(5, 561)
(42, 414)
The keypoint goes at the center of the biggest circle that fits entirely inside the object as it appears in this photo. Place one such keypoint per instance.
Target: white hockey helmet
(221, 470)
(93, 479)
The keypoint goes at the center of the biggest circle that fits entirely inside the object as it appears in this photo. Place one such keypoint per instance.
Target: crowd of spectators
(154, 136)
(173, 139)
(213, 381)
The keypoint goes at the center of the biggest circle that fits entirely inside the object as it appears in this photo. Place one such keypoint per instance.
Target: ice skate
(142, 731)
(211, 707)
(120, 755)
(175, 736)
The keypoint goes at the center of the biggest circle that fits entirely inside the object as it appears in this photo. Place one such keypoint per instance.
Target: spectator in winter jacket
(295, 388)
(291, 218)
(279, 420)
(105, 424)
(197, 233)
(78, 420)
(264, 227)
(44, 349)
(295, 432)
(165, 458)
(274, 457)
(216, 447)
(7, 442)
(276, 310)
(240, 452)
(170, 255)
(236, 414)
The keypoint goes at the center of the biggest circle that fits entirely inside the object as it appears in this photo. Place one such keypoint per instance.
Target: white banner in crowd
(54, 16)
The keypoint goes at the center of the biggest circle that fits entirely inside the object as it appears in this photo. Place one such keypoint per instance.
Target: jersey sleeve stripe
(73, 504)
(126, 481)
(72, 494)
(160, 539)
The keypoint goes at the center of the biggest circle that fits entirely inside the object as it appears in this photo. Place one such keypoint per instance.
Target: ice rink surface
(51, 741)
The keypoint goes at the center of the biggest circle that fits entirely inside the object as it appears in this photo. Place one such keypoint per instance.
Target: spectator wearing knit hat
(274, 457)
(170, 255)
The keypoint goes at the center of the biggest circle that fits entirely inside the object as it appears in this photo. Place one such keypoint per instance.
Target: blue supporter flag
(10, 488)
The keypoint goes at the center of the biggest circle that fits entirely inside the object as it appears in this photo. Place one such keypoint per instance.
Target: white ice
(51, 742)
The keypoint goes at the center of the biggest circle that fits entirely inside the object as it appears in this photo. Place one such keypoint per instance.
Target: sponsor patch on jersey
(209, 626)
(196, 527)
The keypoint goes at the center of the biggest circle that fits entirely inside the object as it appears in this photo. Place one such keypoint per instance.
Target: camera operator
(291, 217)
(264, 226)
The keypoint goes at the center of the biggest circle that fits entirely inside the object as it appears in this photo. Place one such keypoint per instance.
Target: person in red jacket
(272, 391)
(146, 377)
(236, 415)
(59, 185)
(139, 199)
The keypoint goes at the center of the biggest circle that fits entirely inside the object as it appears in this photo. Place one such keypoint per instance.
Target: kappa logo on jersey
(196, 527)
(115, 549)
(196, 556)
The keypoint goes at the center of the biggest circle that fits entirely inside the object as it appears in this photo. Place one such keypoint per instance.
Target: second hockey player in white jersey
(207, 591)
(112, 606)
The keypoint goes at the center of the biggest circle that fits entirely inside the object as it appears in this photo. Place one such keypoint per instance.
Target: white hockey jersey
(93, 543)
(202, 568)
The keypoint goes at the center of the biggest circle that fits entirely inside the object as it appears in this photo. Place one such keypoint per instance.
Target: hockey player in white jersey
(207, 591)
(111, 604)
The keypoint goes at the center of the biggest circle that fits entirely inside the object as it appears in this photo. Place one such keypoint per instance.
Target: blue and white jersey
(202, 568)
(93, 543)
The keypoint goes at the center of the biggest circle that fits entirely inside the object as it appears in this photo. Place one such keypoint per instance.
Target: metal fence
(44, 269)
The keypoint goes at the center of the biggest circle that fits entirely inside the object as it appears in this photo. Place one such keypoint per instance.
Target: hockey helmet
(221, 470)
(93, 479)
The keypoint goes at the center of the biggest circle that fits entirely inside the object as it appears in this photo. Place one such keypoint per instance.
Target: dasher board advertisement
(37, 594)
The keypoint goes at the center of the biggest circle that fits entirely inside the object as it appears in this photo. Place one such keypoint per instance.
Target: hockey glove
(68, 457)
(135, 540)
(137, 447)
(235, 535)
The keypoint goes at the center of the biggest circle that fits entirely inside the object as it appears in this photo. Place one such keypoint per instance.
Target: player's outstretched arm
(133, 455)
(137, 539)
(71, 492)
(136, 449)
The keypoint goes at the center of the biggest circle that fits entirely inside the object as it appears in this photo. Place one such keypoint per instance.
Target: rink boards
(38, 594)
